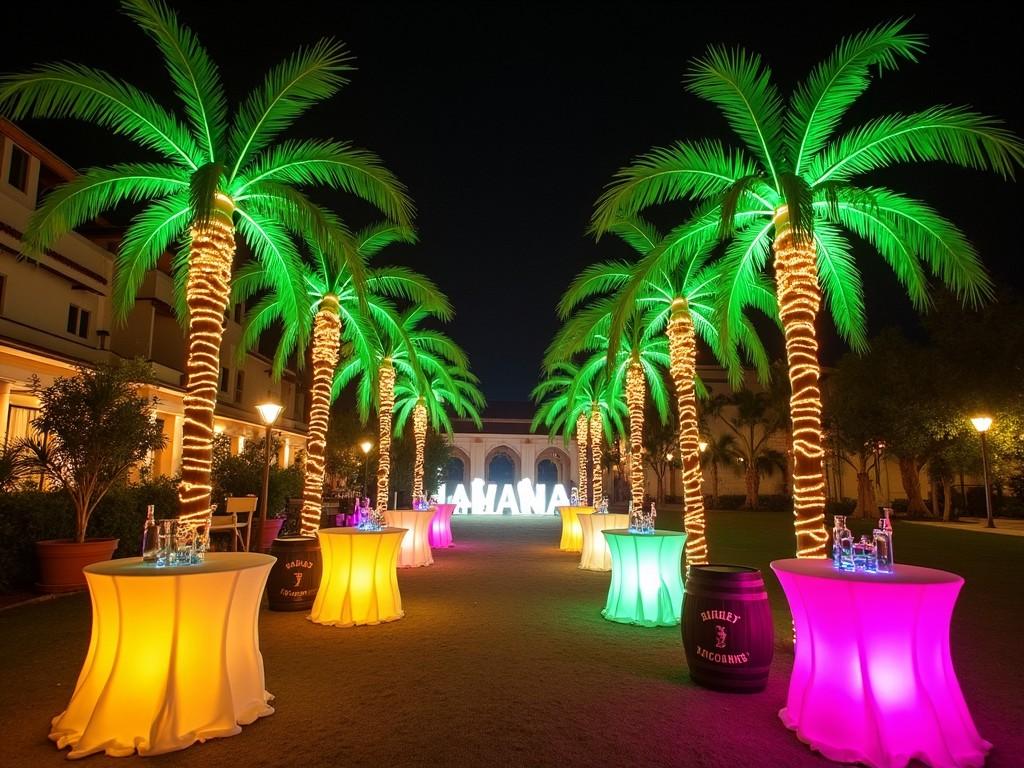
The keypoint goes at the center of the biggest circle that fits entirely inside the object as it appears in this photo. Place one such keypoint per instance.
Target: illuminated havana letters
(523, 498)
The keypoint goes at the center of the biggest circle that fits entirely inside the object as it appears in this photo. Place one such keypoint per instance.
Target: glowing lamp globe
(982, 423)
(365, 446)
(269, 412)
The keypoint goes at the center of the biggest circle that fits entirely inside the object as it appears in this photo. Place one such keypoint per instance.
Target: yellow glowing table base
(596, 556)
(359, 583)
(572, 534)
(416, 549)
(174, 656)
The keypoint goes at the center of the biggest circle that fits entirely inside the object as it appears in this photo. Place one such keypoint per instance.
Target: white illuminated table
(415, 550)
(596, 555)
(873, 680)
(359, 584)
(174, 656)
(572, 533)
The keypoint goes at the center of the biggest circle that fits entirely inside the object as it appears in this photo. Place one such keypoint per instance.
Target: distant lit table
(572, 534)
(596, 555)
(441, 526)
(647, 578)
(174, 656)
(415, 550)
(359, 584)
(873, 681)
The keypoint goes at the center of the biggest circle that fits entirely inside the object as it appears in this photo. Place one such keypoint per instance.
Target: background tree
(752, 420)
(91, 429)
(661, 445)
(720, 452)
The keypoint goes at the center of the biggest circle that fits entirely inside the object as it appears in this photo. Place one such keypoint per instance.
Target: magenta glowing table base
(873, 681)
(441, 526)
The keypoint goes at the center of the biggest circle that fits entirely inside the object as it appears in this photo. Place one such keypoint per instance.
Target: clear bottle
(631, 516)
(883, 543)
(845, 540)
(150, 537)
(838, 524)
(886, 525)
(652, 518)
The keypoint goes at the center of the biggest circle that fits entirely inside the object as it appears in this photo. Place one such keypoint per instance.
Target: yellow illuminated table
(572, 534)
(174, 656)
(359, 584)
(596, 555)
(416, 549)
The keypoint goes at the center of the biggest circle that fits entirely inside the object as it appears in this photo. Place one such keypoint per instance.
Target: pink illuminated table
(873, 681)
(415, 551)
(441, 526)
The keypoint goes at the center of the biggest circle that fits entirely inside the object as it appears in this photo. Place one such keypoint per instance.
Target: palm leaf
(841, 282)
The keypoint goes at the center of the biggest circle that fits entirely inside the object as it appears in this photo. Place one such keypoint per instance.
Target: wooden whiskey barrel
(727, 628)
(295, 577)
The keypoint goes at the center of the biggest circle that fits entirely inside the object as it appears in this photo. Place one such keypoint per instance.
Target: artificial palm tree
(392, 343)
(793, 188)
(428, 399)
(331, 291)
(680, 304)
(573, 395)
(218, 176)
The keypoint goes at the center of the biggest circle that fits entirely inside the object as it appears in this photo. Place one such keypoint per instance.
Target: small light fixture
(982, 423)
(702, 445)
(668, 457)
(366, 445)
(269, 412)
(218, 428)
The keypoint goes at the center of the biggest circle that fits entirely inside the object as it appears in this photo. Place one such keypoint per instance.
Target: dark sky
(505, 121)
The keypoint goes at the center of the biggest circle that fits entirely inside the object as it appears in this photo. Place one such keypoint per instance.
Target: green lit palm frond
(819, 103)
(405, 283)
(841, 283)
(75, 91)
(953, 135)
(195, 76)
(371, 239)
(739, 84)
(96, 190)
(309, 76)
(599, 278)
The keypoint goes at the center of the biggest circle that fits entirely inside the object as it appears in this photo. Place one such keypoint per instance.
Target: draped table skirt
(647, 582)
(596, 556)
(415, 551)
(572, 533)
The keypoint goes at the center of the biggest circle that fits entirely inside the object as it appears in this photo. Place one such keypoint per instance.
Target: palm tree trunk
(325, 353)
(596, 439)
(912, 486)
(799, 298)
(386, 392)
(750, 483)
(715, 502)
(682, 351)
(419, 430)
(207, 292)
(635, 395)
(581, 458)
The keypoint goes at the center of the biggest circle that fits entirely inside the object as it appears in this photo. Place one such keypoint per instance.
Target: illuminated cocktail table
(415, 550)
(873, 681)
(647, 578)
(360, 583)
(174, 656)
(572, 534)
(596, 555)
(441, 526)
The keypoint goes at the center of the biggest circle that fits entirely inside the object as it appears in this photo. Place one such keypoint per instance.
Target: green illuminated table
(647, 578)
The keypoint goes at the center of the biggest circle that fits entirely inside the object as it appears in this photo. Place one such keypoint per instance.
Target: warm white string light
(596, 448)
(682, 350)
(386, 391)
(325, 353)
(635, 395)
(581, 458)
(207, 292)
(419, 428)
(799, 299)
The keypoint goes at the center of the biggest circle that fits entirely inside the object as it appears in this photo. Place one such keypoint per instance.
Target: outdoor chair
(240, 511)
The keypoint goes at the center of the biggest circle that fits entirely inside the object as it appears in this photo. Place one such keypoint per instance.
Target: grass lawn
(503, 659)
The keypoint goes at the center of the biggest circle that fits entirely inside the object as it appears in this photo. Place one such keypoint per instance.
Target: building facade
(56, 313)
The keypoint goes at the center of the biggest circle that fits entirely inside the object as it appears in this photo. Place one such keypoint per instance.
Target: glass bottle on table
(150, 537)
(843, 545)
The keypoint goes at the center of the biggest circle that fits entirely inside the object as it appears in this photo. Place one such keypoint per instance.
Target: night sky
(506, 122)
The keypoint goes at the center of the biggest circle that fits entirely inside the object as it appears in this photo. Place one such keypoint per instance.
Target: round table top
(656, 534)
(215, 562)
(822, 568)
(430, 511)
(353, 531)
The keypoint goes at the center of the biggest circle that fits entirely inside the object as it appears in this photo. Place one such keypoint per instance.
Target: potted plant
(91, 429)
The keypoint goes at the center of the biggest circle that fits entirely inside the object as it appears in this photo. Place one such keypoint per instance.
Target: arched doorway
(455, 472)
(547, 473)
(501, 466)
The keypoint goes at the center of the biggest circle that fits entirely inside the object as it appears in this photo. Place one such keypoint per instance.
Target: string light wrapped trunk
(581, 458)
(596, 439)
(325, 353)
(635, 395)
(419, 429)
(386, 395)
(682, 350)
(799, 298)
(207, 292)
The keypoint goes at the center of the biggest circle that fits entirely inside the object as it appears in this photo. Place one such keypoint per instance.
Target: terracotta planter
(61, 562)
(269, 530)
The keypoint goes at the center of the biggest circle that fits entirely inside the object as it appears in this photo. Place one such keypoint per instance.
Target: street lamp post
(268, 415)
(982, 424)
(365, 446)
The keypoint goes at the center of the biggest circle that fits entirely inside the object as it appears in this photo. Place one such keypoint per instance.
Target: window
(78, 321)
(3, 292)
(225, 380)
(17, 174)
(239, 386)
(239, 312)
